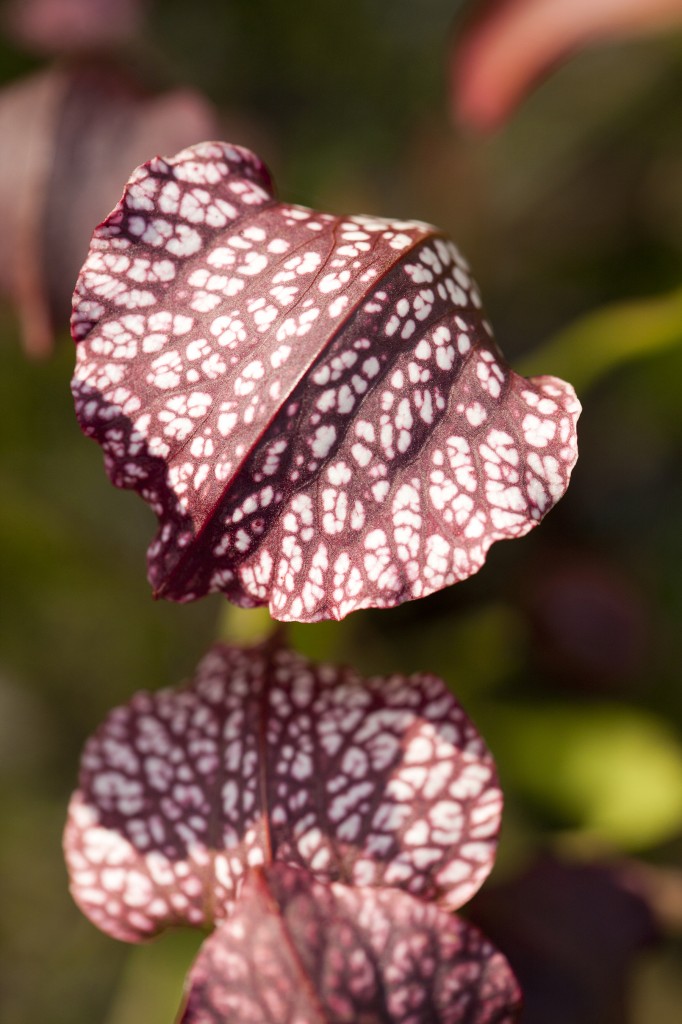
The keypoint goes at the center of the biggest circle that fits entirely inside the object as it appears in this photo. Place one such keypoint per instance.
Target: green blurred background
(566, 649)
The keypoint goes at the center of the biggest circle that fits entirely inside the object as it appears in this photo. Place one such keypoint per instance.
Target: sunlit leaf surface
(313, 405)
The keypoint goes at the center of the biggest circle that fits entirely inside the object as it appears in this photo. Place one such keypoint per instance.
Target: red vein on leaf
(430, 235)
(265, 893)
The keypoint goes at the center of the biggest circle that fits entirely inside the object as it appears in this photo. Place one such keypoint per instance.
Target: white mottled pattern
(381, 782)
(242, 361)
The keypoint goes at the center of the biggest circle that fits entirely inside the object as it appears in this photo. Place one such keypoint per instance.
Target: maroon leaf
(383, 782)
(313, 405)
(297, 950)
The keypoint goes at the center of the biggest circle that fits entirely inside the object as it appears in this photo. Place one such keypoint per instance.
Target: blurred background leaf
(601, 342)
(610, 773)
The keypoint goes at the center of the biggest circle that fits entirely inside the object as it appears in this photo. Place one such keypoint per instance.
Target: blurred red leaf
(69, 138)
(510, 44)
(264, 756)
(313, 405)
(296, 949)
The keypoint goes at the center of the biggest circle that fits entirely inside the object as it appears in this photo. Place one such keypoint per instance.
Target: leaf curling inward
(297, 949)
(266, 757)
(313, 405)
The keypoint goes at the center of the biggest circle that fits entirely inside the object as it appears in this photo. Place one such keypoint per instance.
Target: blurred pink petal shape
(513, 43)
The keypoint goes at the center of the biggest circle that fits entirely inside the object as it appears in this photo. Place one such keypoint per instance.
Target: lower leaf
(266, 757)
(299, 951)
